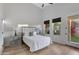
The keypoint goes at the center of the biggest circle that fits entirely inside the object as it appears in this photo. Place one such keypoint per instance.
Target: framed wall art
(73, 28)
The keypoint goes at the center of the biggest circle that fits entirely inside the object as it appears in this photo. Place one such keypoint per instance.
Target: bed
(36, 42)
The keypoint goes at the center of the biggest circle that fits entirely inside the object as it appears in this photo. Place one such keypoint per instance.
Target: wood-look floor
(53, 49)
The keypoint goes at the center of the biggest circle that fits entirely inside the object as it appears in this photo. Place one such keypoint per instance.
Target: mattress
(37, 42)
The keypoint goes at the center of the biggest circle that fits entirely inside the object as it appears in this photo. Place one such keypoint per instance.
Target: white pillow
(34, 33)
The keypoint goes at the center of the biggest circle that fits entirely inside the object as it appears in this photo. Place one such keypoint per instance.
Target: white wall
(1, 16)
(61, 10)
(1, 11)
(22, 13)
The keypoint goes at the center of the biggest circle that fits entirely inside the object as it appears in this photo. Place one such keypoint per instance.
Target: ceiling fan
(44, 4)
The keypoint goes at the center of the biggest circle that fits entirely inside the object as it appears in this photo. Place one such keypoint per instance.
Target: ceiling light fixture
(23, 25)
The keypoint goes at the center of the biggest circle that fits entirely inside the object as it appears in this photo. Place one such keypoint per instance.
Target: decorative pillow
(30, 33)
(34, 33)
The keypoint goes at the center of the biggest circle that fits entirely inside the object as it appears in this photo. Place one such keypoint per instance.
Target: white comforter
(37, 42)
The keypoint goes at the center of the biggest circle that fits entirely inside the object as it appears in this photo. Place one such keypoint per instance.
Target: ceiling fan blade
(50, 3)
(42, 5)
